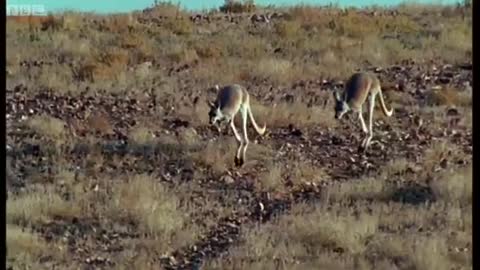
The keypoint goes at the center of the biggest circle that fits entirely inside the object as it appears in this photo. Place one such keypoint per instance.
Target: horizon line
(41, 9)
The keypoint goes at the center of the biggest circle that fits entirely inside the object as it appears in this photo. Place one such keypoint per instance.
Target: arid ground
(111, 163)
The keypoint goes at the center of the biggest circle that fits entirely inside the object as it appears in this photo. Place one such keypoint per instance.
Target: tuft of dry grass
(272, 179)
(306, 173)
(180, 27)
(440, 152)
(166, 9)
(397, 166)
(236, 6)
(431, 253)
(366, 188)
(284, 114)
(57, 78)
(449, 97)
(288, 29)
(218, 155)
(418, 252)
(278, 70)
(141, 136)
(182, 55)
(65, 177)
(156, 210)
(40, 207)
(47, 126)
(455, 186)
(303, 236)
(188, 138)
(26, 249)
(324, 228)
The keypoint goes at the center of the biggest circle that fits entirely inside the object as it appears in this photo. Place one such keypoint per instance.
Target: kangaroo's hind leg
(362, 121)
(239, 140)
(235, 132)
(369, 136)
(245, 140)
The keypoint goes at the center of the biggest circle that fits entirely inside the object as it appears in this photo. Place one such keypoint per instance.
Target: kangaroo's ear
(336, 95)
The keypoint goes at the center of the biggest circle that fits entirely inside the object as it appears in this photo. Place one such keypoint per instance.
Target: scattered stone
(228, 179)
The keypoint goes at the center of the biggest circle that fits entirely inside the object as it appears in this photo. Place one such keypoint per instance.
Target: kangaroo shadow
(413, 194)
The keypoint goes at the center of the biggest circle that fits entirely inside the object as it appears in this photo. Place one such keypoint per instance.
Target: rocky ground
(332, 150)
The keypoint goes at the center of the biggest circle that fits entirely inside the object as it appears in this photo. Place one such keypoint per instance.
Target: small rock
(289, 98)
(336, 140)
(444, 80)
(260, 204)
(227, 179)
(231, 225)
(444, 163)
(452, 112)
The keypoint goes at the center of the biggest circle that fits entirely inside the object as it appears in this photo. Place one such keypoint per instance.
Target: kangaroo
(358, 88)
(230, 100)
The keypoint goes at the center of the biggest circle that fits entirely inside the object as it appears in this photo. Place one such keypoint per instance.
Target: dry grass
(300, 238)
(182, 55)
(367, 188)
(141, 135)
(431, 254)
(47, 126)
(348, 232)
(455, 187)
(419, 252)
(218, 155)
(298, 113)
(58, 77)
(384, 228)
(437, 117)
(148, 203)
(26, 249)
(449, 97)
(235, 6)
(272, 179)
(279, 70)
(440, 152)
(141, 200)
(397, 166)
(302, 172)
(40, 207)
(313, 42)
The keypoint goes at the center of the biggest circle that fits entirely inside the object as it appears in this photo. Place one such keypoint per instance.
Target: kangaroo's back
(358, 87)
(231, 97)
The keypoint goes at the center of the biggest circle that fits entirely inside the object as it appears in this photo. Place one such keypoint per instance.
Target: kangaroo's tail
(384, 108)
(260, 130)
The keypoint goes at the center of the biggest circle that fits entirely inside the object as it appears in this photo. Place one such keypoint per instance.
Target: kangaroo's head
(214, 114)
(341, 107)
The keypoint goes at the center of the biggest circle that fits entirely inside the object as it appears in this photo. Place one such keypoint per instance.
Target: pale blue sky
(108, 6)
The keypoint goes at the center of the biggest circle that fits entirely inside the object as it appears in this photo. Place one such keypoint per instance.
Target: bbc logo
(26, 10)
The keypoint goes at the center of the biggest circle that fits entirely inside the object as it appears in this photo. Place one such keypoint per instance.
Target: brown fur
(360, 87)
(232, 99)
